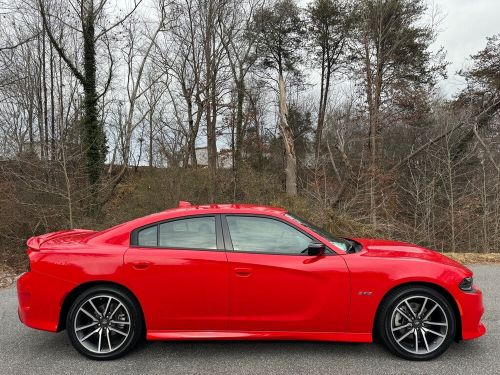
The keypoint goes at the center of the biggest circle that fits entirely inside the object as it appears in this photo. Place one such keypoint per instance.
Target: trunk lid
(65, 238)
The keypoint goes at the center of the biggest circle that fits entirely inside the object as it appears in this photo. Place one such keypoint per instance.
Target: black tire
(389, 318)
(126, 319)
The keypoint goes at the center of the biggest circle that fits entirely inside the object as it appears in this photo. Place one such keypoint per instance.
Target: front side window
(341, 243)
(265, 235)
(189, 233)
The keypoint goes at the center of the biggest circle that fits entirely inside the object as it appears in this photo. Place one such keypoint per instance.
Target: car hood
(395, 249)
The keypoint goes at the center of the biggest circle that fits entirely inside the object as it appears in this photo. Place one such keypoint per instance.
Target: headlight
(466, 284)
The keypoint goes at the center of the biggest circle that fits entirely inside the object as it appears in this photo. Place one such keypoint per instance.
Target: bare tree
(90, 15)
(280, 35)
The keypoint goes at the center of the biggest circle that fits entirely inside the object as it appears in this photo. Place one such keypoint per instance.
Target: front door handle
(141, 264)
(243, 272)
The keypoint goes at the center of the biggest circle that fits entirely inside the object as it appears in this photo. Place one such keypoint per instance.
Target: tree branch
(479, 117)
(105, 31)
(27, 40)
(56, 45)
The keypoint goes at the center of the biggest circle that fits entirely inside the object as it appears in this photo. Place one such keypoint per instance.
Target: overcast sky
(463, 32)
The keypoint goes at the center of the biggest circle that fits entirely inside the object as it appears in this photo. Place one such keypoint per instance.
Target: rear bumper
(40, 299)
(471, 310)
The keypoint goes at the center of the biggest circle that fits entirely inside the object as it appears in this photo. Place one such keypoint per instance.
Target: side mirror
(315, 249)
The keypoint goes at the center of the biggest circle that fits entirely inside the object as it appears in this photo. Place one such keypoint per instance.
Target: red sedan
(243, 272)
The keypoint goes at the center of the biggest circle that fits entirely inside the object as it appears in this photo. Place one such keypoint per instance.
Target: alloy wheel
(102, 323)
(419, 324)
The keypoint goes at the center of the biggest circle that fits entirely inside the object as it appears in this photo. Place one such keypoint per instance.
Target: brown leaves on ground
(475, 258)
(7, 275)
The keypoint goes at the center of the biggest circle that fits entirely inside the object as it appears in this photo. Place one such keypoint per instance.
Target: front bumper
(471, 309)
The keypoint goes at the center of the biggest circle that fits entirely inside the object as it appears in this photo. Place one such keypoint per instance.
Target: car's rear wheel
(416, 323)
(104, 322)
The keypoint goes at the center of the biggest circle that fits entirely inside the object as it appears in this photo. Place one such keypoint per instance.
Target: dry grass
(475, 258)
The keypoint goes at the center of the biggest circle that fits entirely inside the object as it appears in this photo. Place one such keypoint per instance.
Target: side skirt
(259, 335)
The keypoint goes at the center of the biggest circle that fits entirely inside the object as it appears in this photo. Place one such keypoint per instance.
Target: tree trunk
(40, 99)
(93, 136)
(150, 140)
(291, 159)
(239, 136)
(52, 108)
(322, 105)
(190, 156)
(373, 114)
(211, 109)
(45, 102)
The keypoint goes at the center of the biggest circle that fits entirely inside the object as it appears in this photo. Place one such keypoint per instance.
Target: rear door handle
(141, 264)
(243, 272)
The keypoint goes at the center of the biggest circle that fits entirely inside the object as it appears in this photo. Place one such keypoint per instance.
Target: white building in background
(224, 158)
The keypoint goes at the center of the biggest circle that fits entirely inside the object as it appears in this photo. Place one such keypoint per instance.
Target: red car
(243, 272)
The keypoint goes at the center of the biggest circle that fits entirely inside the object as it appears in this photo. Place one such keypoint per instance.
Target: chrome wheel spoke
(401, 327)
(88, 314)
(90, 334)
(416, 341)
(95, 308)
(86, 326)
(434, 332)
(117, 331)
(100, 340)
(435, 324)
(115, 310)
(403, 313)
(118, 322)
(423, 307)
(107, 307)
(425, 341)
(409, 308)
(405, 335)
(430, 312)
(109, 341)
(99, 332)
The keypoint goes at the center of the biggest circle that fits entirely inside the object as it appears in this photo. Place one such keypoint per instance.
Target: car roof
(187, 208)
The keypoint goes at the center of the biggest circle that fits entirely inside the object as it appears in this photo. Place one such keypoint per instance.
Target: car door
(274, 286)
(178, 270)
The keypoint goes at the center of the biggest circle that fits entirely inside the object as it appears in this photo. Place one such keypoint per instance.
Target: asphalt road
(27, 351)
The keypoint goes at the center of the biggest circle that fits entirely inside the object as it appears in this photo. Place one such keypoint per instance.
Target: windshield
(338, 242)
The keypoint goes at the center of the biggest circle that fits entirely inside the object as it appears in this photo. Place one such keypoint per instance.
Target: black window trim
(218, 234)
(229, 243)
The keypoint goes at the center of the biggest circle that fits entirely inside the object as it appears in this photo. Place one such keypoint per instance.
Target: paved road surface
(27, 351)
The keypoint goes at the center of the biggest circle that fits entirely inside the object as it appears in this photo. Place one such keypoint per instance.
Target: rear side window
(193, 233)
(148, 237)
(189, 233)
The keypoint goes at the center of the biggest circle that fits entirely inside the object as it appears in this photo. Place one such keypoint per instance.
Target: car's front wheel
(104, 322)
(416, 323)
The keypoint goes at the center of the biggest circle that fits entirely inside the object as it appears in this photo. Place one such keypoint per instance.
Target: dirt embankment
(475, 258)
(7, 275)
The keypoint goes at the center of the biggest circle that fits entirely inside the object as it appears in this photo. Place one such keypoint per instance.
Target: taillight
(30, 251)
